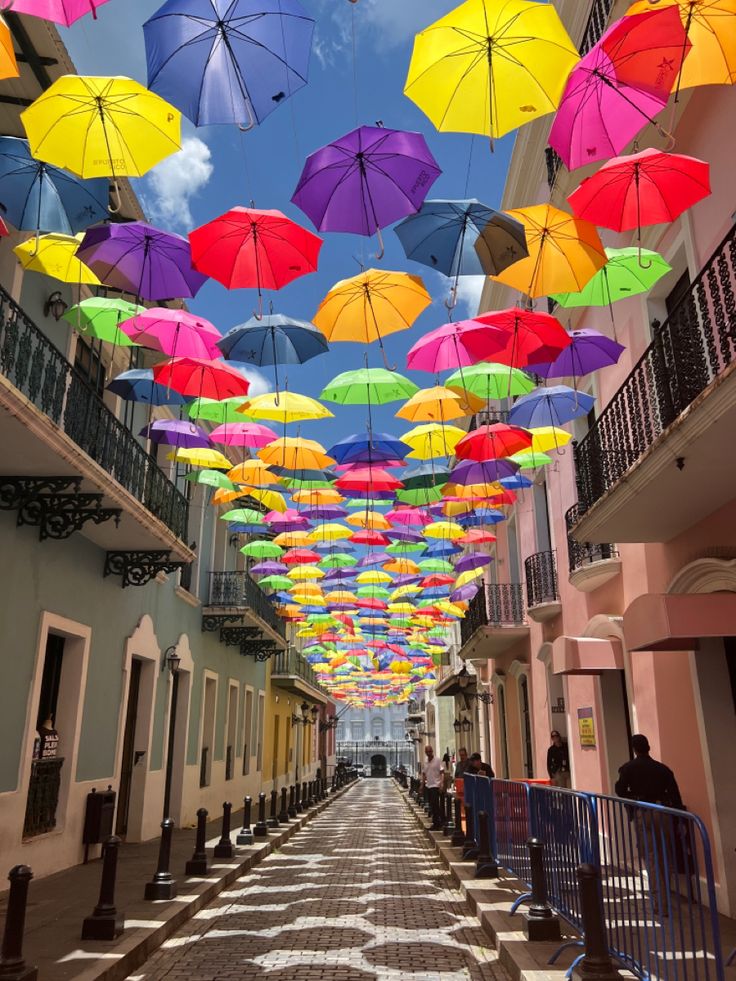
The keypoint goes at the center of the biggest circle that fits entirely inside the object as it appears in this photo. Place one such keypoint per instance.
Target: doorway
(502, 739)
(616, 722)
(275, 755)
(128, 759)
(526, 726)
(378, 765)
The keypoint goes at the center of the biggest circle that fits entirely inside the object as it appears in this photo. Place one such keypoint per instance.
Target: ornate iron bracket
(139, 568)
(214, 621)
(261, 650)
(237, 636)
(42, 503)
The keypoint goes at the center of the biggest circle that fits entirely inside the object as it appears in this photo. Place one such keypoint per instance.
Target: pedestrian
(479, 768)
(462, 763)
(433, 776)
(558, 761)
(649, 781)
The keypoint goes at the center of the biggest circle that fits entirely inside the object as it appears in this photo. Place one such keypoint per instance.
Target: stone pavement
(357, 895)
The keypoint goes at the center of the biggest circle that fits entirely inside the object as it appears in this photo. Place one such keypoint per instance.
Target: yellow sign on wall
(586, 727)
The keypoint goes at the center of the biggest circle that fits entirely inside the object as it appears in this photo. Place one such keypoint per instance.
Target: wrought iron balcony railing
(580, 554)
(39, 370)
(541, 579)
(237, 589)
(292, 664)
(498, 605)
(43, 797)
(695, 344)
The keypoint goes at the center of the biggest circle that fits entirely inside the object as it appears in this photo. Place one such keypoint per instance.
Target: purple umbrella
(373, 558)
(269, 569)
(401, 535)
(464, 593)
(588, 351)
(473, 560)
(139, 259)
(327, 512)
(176, 432)
(366, 180)
(489, 472)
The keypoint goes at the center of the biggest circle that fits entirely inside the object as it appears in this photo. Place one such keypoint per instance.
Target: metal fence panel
(513, 829)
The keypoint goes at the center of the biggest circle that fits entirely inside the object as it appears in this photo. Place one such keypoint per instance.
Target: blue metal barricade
(484, 802)
(513, 828)
(469, 793)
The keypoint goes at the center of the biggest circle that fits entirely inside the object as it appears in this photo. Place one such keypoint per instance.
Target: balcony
(68, 464)
(657, 461)
(495, 621)
(590, 565)
(542, 594)
(291, 672)
(244, 616)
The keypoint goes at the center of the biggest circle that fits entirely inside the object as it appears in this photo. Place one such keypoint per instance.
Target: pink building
(611, 606)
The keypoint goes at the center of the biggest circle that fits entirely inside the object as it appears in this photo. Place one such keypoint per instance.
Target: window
(50, 680)
(397, 730)
(208, 731)
(377, 728)
(259, 730)
(247, 730)
(678, 292)
(358, 731)
(89, 364)
(541, 517)
(231, 729)
(340, 732)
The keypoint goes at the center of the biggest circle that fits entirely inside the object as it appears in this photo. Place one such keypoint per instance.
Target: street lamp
(463, 679)
(171, 660)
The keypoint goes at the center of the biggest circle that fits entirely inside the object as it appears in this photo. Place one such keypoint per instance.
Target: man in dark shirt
(479, 768)
(646, 779)
(558, 761)
(462, 762)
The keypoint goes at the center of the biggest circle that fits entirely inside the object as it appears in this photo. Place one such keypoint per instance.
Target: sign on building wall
(586, 728)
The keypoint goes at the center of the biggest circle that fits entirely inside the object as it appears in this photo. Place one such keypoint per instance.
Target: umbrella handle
(451, 302)
(113, 209)
(258, 314)
(381, 247)
(251, 118)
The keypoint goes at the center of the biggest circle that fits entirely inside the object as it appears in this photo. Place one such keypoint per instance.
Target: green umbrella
(340, 560)
(311, 483)
(373, 592)
(275, 582)
(403, 548)
(491, 381)
(369, 386)
(366, 504)
(436, 565)
(212, 478)
(100, 317)
(529, 460)
(420, 495)
(219, 412)
(624, 275)
(262, 550)
(245, 516)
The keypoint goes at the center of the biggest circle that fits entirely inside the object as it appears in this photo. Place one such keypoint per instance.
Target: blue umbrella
(37, 197)
(517, 482)
(368, 448)
(443, 234)
(552, 406)
(228, 61)
(137, 385)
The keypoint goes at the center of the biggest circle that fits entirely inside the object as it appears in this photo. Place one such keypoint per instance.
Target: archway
(378, 765)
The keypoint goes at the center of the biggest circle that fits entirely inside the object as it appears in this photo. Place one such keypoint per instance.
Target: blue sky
(221, 167)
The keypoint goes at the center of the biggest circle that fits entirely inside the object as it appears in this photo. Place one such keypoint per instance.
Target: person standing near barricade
(433, 776)
(558, 761)
(647, 780)
(477, 767)
(462, 763)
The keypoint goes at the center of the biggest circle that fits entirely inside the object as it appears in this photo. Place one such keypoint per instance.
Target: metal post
(105, 923)
(485, 864)
(292, 802)
(12, 965)
(197, 864)
(261, 828)
(224, 847)
(305, 796)
(298, 798)
(540, 921)
(458, 835)
(171, 742)
(273, 821)
(449, 827)
(245, 835)
(284, 811)
(163, 884)
(470, 847)
(312, 794)
(596, 965)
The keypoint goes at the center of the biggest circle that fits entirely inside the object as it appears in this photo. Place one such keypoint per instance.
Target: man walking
(433, 774)
(646, 779)
(558, 761)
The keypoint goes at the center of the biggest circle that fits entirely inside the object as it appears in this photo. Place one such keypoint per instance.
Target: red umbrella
(493, 442)
(476, 536)
(437, 579)
(248, 248)
(529, 333)
(373, 479)
(300, 556)
(455, 346)
(369, 538)
(199, 378)
(646, 188)
(371, 604)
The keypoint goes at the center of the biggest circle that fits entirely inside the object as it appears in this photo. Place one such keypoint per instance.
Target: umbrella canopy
(273, 340)
(219, 411)
(100, 317)
(250, 434)
(529, 335)
(553, 406)
(368, 478)
(588, 351)
(101, 127)
(176, 432)
(197, 377)
(439, 404)
(285, 407)
(368, 447)
(139, 385)
(137, 258)
(8, 64)
(455, 345)
(432, 440)
(56, 256)
(473, 473)
(491, 381)
(490, 66)
(366, 180)
(211, 478)
(295, 453)
(443, 235)
(64, 12)
(493, 442)
(622, 276)
(564, 252)
(228, 61)
(619, 86)
(39, 197)
(368, 386)
(173, 332)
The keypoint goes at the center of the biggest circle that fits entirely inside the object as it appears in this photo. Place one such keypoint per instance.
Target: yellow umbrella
(371, 305)
(432, 440)
(253, 472)
(268, 498)
(564, 253)
(466, 577)
(55, 255)
(372, 577)
(292, 539)
(341, 596)
(317, 496)
(284, 407)
(400, 608)
(301, 573)
(409, 590)
(490, 66)
(373, 520)
(102, 127)
(201, 457)
(548, 438)
(8, 64)
(449, 530)
(329, 533)
(438, 404)
(404, 567)
(295, 453)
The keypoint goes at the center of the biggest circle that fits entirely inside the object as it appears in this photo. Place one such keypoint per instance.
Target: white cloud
(259, 384)
(469, 290)
(175, 181)
(397, 21)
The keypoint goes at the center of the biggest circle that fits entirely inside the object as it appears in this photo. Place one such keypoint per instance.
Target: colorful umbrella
(211, 478)
(368, 447)
(439, 404)
(137, 258)
(295, 453)
(56, 256)
(620, 278)
(368, 386)
(173, 332)
(197, 377)
(490, 66)
(366, 180)
(368, 478)
(64, 12)
(201, 457)
(553, 406)
(249, 434)
(491, 381)
(455, 345)
(432, 440)
(285, 407)
(589, 350)
(228, 61)
(220, 412)
(176, 432)
(100, 317)
(469, 473)
(530, 335)
(493, 442)
(139, 385)
(8, 63)
(273, 340)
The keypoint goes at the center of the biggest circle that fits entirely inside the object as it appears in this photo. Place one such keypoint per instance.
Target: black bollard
(334, 782)
(12, 965)
(284, 811)
(312, 798)
(163, 884)
(224, 847)
(105, 923)
(245, 835)
(261, 828)
(449, 826)
(197, 864)
(292, 802)
(305, 796)
(273, 820)
(458, 835)
(540, 921)
(470, 846)
(596, 964)
(298, 795)
(485, 864)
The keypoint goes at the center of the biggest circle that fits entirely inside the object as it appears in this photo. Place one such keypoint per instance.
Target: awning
(675, 622)
(586, 655)
(451, 685)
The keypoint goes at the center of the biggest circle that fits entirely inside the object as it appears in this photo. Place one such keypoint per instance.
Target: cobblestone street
(357, 895)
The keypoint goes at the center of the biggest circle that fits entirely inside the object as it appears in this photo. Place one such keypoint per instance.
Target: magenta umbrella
(176, 333)
(456, 346)
(59, 11)
(250, 434)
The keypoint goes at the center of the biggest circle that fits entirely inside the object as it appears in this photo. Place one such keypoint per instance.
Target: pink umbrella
(59, 11)
(174, 332)
(456, 346)
(250, 434)
(409, 516)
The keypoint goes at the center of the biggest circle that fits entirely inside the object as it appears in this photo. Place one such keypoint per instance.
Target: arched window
(377, 728)
(526, 726)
